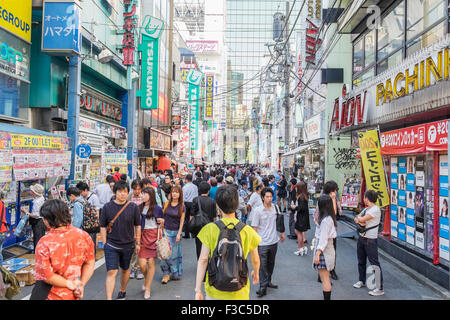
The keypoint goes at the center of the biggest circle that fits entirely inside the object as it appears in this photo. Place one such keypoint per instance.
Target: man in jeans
(123, 239)
(367, 246)
(264, 221)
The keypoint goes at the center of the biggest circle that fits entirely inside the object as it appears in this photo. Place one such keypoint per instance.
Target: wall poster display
(351, 192)
(443, 208)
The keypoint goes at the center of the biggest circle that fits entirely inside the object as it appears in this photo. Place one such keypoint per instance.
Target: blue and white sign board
(83, 150)
(61, 27)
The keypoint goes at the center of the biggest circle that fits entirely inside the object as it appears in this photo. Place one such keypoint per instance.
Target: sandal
(147, 297)
(165, 279)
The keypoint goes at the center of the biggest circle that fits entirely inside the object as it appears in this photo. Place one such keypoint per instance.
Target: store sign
(61, 28)
(203, 46)
(194, 77)
(16, 18)
(102, 129)
(349, 111)
(415, 78)
(194, 96)
(96, 104)
(373, 165)
(29, 141)
(313, 128)
(416, 139)
(313, 20)
(209, 97)
(129, 27)
(14, 55)
(160, 140)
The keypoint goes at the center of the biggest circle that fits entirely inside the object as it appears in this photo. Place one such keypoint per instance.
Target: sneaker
(298, 252)
(359, 285)
(132, 274)
(121, 295)
(139, 275)
(376, 292)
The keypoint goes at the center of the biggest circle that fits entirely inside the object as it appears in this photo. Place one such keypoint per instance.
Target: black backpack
(227, 268)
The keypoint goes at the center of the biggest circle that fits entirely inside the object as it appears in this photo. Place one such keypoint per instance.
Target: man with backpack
(234, 240)
(76, 206)
(264, 222)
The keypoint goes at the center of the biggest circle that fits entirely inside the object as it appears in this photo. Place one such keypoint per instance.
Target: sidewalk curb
(441, 291)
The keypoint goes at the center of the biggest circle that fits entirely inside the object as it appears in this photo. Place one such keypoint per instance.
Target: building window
(423, 14)
(426, 39)
(367, 75)
(390, 34)
(369, 49)
(390, 62)
(358, 57)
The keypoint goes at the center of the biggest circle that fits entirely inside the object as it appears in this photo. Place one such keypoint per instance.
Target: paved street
(294, 275)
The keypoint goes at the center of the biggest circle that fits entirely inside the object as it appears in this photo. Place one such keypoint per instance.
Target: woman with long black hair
(324, 253)
(151, 220)
(301, 210)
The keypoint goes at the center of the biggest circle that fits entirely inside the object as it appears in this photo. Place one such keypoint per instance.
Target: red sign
(99, 106)
(353, 111)
(416, 139)
(128, 36)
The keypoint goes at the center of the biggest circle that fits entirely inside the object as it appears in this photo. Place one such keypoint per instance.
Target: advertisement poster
(402, 181)
(402, 198)
(402, 231)
(373, 166)
(410, 235)
(402, 165)
(402, 215)
(410, 196)
(394, 220)
(350, 192)
(443, 208)
(394, 181)
(394, 196)
(419, 213)
(410, 182)
(429, 205)
(394, 165)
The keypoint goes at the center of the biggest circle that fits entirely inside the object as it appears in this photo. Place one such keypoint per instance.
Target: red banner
(416, 139)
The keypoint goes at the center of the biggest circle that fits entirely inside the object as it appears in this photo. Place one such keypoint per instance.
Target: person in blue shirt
(277, 176)
(76, 206)
(212, 191)
(274, 187)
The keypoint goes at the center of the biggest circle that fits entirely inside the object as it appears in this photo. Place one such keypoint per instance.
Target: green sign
(194, 99)
(149, 47)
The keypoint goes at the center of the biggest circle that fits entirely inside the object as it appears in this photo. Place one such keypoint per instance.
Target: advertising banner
(149, 73)
(351, 192)
(23, 141)
(61, 28)
(194, 99)
(203, 46)
(373, 165)
(209, 97)
(443, 208)
(15, 16)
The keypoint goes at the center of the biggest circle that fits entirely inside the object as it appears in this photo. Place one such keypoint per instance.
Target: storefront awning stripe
(10, 128)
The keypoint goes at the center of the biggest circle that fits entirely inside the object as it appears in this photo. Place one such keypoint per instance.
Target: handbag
(163, 248)
(110, 224)
(198, 221)
(363, 229)
(280, 220)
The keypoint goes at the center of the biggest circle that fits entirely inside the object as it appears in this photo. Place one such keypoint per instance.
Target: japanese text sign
(61, 28)
(209, 97)
(373, 165)
(129, 26)
(194, 95)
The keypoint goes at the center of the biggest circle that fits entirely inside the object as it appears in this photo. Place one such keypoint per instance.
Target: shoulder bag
(163, 249)
(280, 220)
(110, 224)
(362, 229)
(198, 221)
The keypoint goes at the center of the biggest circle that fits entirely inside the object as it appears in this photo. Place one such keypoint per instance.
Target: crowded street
(236, 150)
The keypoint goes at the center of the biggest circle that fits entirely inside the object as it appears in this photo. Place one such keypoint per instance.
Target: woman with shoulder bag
(302, 217)
(324, 253)
(174, 213)
(151, 221)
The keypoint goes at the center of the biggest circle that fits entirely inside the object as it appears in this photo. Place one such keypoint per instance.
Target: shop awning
(300, 149)
(10, 128)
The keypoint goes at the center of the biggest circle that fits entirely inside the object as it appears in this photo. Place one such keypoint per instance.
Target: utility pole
(287, 70)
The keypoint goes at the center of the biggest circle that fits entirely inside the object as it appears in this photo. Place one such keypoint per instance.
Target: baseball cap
(229, 179)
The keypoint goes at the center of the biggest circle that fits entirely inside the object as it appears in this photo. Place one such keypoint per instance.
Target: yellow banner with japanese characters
(372, 162)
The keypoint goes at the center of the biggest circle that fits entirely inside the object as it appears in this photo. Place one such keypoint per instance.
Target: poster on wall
(351, 192)
(394, 220)
(419, 212)
(443, 208)
(429, 205)
(420, 171)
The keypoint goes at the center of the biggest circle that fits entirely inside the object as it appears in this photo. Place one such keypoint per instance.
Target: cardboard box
(29, 257)
(26, 276)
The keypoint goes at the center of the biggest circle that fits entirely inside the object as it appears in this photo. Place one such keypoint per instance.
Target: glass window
(358, 57)
(422, 14)
(369, 74)
(393, 60)
(369, 48)
(426, 39)
(390, 34)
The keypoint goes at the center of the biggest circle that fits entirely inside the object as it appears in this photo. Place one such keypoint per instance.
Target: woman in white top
(324, 253)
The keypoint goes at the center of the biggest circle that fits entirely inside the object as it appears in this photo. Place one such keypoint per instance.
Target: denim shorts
(117, 257)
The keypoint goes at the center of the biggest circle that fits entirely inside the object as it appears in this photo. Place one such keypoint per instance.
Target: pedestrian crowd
(230, 211)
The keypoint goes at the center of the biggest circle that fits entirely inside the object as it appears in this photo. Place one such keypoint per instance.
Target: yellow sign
(412, 80)
(35, 142)
(15, 16)
(372, 162)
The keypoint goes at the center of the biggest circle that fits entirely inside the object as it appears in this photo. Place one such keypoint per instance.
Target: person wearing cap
(36, 222)
(153, 180)
(229, 180)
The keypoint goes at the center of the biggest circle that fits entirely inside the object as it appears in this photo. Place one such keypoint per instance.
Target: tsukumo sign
(349, 110)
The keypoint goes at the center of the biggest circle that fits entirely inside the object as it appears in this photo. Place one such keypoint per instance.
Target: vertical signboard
(129, 26)
(61, 28)
(209, 97)
(194, 98)
(373, 165)
(149, 47)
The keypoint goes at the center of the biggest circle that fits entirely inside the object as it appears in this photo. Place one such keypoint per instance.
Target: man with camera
(367, 248)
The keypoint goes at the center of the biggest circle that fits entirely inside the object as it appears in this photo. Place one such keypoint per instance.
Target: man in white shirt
(190, 191)
(104, 191)
(254, 202)
(367, 246)
(35, 219)
(265, 223)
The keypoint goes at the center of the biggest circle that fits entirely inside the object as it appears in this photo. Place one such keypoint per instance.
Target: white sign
(203, 46)
(194, 77)
(313, 128)
(152, 27)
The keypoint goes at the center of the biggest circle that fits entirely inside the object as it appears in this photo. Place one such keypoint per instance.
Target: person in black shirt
(123, 239)
(208, 209)
(198, 179)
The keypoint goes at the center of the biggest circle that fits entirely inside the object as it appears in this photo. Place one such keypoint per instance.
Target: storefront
(100, 117)
(158, 146)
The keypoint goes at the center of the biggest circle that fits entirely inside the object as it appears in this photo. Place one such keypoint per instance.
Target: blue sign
(394, 181)
(402, 165)
(443, 186)
(83, 150)
(410, 217)
(394, 213)
(402, 198)
(61, 28)
(410, 182)
(443, 227)
(402, 231)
